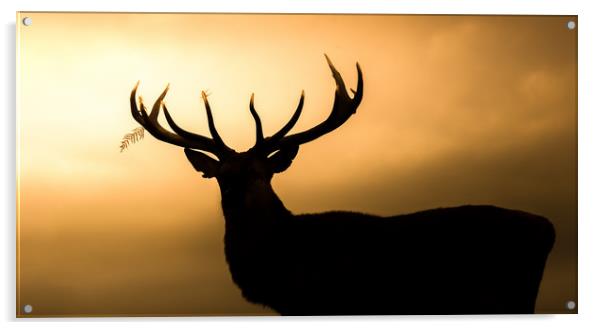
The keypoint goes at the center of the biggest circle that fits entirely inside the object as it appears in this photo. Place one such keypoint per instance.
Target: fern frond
(134, 136)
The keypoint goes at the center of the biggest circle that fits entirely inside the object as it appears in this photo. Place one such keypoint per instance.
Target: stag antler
(182, 138)
(344, 106)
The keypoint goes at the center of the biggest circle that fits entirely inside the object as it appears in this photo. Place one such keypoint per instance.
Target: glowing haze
(456, 110)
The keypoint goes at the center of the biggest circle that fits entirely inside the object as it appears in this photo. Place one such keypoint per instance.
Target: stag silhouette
(460, 260)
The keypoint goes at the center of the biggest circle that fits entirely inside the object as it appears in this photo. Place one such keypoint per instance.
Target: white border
(590, 179)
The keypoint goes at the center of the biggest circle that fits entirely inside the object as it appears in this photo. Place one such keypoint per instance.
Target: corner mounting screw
(570, 305)
(571, 25)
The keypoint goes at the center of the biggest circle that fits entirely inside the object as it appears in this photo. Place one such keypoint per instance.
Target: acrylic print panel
(449, 154)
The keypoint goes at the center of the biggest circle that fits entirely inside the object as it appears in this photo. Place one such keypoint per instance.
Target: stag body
(469, 259)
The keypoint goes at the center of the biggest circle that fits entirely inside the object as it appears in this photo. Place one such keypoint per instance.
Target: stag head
(238, 172)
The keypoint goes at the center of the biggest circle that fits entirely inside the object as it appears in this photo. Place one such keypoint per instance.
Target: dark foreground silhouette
(463, 260)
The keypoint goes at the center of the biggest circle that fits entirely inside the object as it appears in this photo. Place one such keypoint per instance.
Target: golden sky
(456, 110)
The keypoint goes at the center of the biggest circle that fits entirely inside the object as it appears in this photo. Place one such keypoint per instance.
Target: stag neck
(261, 206)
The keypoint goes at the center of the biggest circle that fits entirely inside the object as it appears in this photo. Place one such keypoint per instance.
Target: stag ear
(283, 158)
(202, 163)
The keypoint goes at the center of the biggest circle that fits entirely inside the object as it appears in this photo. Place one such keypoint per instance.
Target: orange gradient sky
(456, 110)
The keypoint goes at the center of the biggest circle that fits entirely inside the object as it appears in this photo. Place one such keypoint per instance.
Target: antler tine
(214, 134)
(151, 124)
(180, 131)
(337, 76)
(291, 123)
(359, 91)
(258, 128)
(341, 96)
(344, 106)
(157, 106)
(134, 107)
